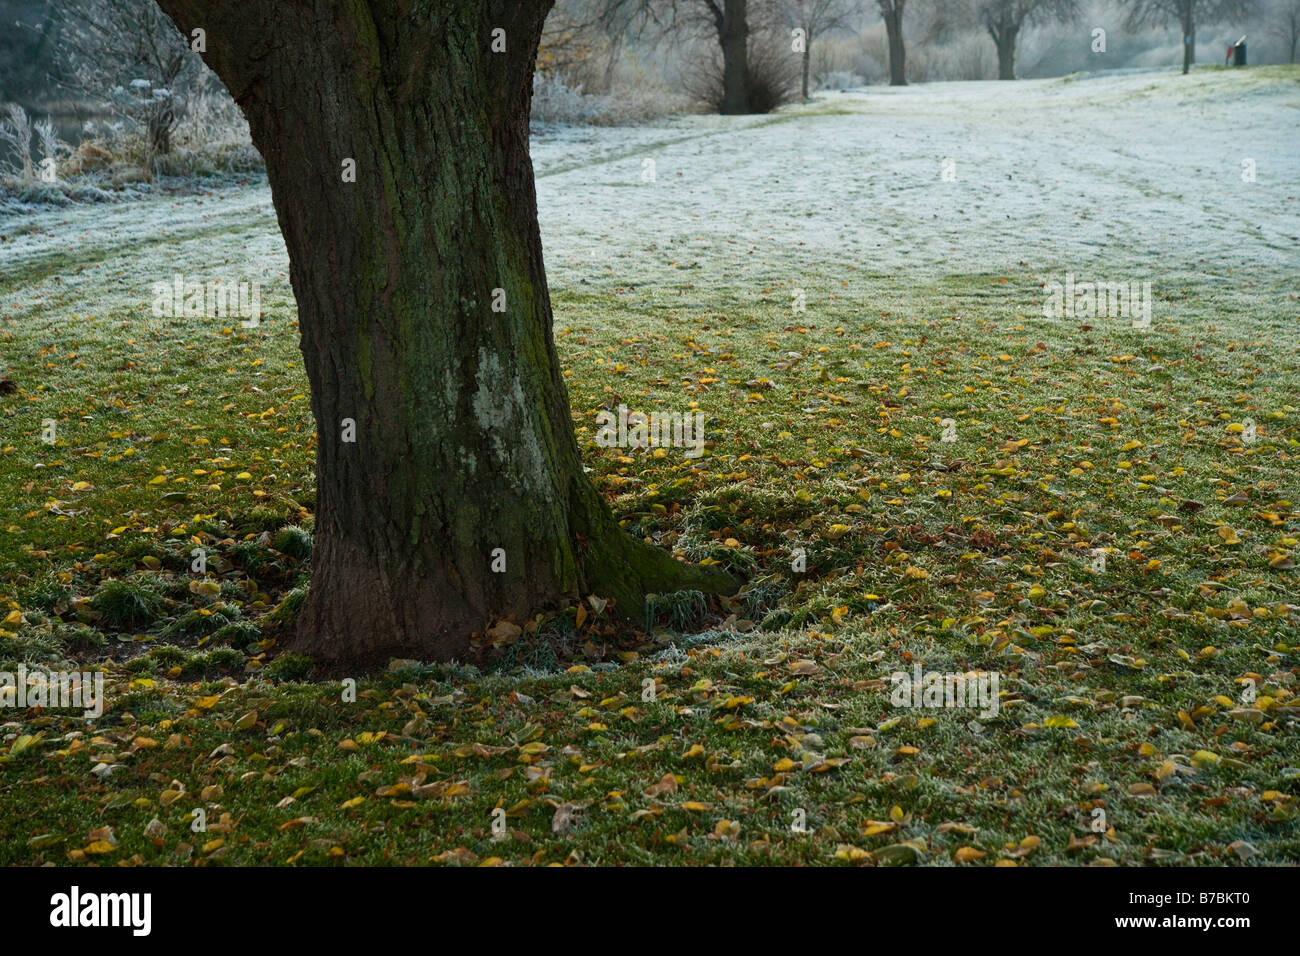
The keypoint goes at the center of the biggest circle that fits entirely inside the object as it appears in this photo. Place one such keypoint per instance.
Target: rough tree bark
(732, 24)
(892, 10)
(463, 437)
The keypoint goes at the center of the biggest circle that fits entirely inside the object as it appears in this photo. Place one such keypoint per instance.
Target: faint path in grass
(1131, 176)
(1116, 177)
(105, 258)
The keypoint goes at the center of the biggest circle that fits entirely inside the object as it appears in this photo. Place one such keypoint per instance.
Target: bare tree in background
(580, 33)
(28, 43)
(727, 20)
(111, 44)
(1006, 19)
(892, 11)
(1187, 13)
(730, 19)
(1286, 26)
(815, 18)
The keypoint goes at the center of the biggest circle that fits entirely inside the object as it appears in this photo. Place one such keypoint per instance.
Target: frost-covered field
(1106, 517)
(1137, 171)
(1134, 174)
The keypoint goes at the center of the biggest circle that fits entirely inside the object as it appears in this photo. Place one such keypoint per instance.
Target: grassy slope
(970, 555)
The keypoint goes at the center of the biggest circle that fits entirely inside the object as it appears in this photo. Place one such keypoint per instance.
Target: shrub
(16, 131)
(559, 100)
(773, 75)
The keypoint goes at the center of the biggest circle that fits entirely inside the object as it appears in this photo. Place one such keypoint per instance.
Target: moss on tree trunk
(450, 489)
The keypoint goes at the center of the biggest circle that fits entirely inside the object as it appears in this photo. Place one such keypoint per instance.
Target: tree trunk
(807, 59)
(733, 34)
(1005, 40)
(462, 450)
(1189, 41)
(611, 63)
(897, 53)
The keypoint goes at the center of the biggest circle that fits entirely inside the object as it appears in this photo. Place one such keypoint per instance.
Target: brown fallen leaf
(666, 785)
(1080, 842)
(297, 822)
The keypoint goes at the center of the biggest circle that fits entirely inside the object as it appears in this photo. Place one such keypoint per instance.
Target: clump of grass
(544, 651)
(173, 554)
(294, 541)
(79, 638)
(762, 596)
(685, 610)
(289, 667)
(196, 623)
(262, 518)
(47, 594)
(188, 665)
(223, 660)
(237, 634)
(212, 526)
(251, 556)
(287, 610)
(30, 646)
(158, 659)
(127, 603)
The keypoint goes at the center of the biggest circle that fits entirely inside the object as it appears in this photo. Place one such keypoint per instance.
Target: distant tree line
(757, 52)
(739, 29)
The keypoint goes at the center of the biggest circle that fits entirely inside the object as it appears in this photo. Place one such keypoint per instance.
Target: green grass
(1122, 690)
